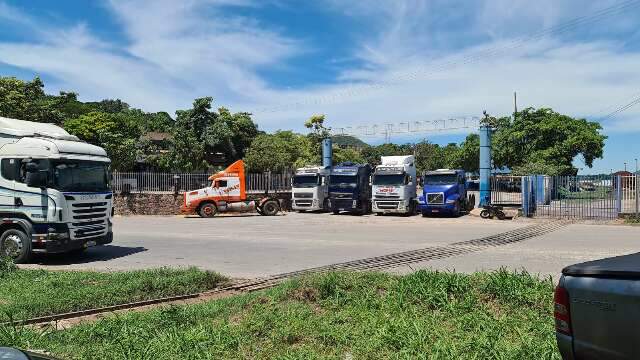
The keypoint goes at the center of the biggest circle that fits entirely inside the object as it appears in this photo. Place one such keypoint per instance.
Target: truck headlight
(451, 201)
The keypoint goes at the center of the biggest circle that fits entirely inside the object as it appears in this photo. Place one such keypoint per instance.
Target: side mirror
(421, 181)
(34, 177)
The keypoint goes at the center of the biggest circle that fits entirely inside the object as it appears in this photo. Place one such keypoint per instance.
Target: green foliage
(283, 150)
(117, 133)
(54, 292)
(200, 133)
(26, 100)
(545, 142)
(6, 266)
(435, 315)
(347, 141)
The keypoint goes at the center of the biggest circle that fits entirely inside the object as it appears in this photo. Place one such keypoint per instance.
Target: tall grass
(425, 315)
(31, 293)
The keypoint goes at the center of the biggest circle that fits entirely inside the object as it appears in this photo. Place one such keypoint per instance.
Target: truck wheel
(325, 205)
(208, 210)
(270, 208)
(485, 214)
(16, 245)
(456, 209)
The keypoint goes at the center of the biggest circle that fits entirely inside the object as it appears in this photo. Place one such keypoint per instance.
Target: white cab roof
(397, 160)
(21, 128)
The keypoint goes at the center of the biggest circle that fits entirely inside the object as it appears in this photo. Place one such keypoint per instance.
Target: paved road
(251, 245)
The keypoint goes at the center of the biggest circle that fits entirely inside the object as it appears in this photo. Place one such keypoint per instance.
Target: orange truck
(227, 193)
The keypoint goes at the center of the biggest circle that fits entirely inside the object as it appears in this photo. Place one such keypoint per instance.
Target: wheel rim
(270, 208)
(208, 210)
(12, 246)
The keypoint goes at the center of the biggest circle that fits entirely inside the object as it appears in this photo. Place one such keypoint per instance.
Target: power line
(409, 127)
(481, 55)
(621, 109)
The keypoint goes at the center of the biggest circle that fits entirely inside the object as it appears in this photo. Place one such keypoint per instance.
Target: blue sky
(358, 62)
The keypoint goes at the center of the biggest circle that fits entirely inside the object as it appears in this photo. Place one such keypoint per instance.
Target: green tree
(117, 133)
(26, 100)
(199, 133)
(545, 142)
(283, 150)
(467, 155)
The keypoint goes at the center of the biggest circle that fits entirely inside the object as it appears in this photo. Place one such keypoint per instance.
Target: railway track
(383, 262)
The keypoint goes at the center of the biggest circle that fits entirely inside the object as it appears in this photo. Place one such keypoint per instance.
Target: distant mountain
(348, 141)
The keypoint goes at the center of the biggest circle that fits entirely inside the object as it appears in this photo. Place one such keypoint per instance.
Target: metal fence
(581, 197)
(506, 190)
(152, 182)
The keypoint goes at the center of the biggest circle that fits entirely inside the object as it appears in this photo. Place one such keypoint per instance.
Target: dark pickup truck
(597, 309)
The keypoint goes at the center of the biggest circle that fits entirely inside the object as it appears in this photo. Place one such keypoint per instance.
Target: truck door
(8, 173)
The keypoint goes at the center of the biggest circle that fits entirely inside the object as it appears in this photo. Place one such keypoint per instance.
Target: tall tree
(547, 138)
(26, 100)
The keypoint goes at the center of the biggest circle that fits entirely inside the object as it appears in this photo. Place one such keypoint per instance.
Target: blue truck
(350, 188)
(444, 191)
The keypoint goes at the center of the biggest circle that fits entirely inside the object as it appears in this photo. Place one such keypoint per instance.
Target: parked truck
(227, 193)
(394, 185)
(310, 189)
(350, 189)
(596, 309)
(444, 191)
(54, 191)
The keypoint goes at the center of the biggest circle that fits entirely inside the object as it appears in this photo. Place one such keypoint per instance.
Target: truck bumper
(62, 245)
(565, 345)
(348, 205)
(390, 206)
(436, 209)
(306, 205)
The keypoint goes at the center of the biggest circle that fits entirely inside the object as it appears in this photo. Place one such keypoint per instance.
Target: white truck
(310, 189)
(394, 185)
(54, 191)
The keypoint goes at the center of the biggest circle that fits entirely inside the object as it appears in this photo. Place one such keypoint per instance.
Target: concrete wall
(163, 204)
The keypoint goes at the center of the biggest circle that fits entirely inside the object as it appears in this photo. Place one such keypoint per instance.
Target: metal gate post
(618, 195)
(525, 196)
(637, 192)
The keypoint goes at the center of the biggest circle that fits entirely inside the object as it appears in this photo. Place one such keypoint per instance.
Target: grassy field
(498, 315)
(31, 293)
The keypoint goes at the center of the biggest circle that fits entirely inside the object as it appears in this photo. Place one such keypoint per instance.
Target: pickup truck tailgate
(604, 300)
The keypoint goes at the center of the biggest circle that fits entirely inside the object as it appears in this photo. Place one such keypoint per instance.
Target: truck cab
(349, 188)
(444, 191)
(310, 189)
(394, 185)
(54, 191)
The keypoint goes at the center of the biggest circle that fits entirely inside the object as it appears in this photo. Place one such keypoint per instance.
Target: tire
(485, 214)
(325, 205)
(456, 209)
(270, 208)
(335, 212)
(500, 215)
(208, 210)
(16, 244)
(472, 202)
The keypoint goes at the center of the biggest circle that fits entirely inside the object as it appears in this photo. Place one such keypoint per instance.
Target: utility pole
(636, 165)
(625, 166)
(515, 104)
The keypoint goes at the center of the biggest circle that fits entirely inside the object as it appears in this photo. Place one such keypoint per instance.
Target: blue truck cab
(349, 188)
(444, 191)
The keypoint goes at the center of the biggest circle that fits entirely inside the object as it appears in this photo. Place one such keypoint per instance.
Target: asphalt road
(250, 245)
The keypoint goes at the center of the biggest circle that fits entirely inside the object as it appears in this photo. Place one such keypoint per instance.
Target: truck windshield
(395, 179)
(343, 179)
(90, 176)
(301, 181)
(444, 179)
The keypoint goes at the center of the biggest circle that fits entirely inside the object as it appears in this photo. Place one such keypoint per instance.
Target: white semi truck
(310, 189)
(54, 191)
(394, 185)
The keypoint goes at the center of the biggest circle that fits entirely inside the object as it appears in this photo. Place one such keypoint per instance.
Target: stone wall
(164, 204)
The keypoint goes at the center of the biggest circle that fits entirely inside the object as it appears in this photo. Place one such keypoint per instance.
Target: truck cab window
(10, 169)
(220, 183)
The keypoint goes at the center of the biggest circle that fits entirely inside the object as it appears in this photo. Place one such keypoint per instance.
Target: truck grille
(387, 205)
(303, 195)
(89, 219)
(341, 195)
(380, 196)
(304, 202)
(435, 198)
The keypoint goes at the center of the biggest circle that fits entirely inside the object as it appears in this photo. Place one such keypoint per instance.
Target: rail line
(383, 262)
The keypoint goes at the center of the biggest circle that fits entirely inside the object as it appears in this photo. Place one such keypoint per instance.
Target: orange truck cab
(227, 193)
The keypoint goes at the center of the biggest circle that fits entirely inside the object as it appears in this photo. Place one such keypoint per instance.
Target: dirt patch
(305, 294)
